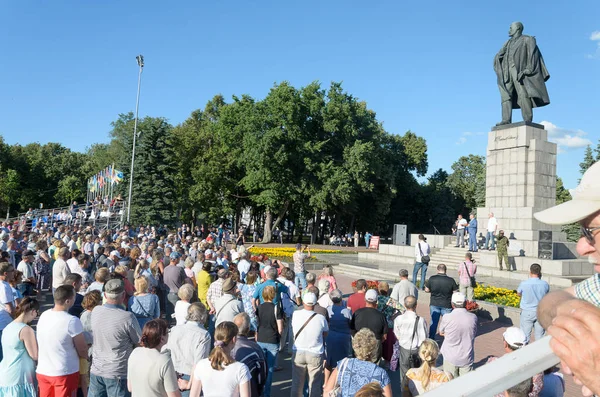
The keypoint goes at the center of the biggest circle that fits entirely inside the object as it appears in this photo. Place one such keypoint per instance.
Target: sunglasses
(588, 233)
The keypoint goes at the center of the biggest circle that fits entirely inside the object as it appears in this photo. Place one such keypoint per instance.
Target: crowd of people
(187, 314)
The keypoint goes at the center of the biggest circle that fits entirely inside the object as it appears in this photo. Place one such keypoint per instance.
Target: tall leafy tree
(468, 181)
(588, 160)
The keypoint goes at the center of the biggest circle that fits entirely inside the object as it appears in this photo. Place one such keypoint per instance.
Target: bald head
(516, 28)
(410, 303)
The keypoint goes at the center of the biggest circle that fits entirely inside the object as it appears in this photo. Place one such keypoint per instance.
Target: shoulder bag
(424, 258)
(304, 325)
(473, 281)
(414, 361)
(337, 390)
(223, 307)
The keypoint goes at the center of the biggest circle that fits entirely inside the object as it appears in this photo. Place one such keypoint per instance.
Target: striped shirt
(215, 291)
(589, 290)
(116, 332)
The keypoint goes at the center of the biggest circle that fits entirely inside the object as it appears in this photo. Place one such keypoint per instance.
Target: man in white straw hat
(572, 316)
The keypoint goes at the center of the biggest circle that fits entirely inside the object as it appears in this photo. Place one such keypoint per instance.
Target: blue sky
(68, 67)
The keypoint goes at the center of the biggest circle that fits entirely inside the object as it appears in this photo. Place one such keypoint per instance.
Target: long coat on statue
(528, 63)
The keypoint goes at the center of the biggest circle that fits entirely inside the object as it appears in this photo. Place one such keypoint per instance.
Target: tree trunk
(315, 228)
(268, 230)
(324, 229)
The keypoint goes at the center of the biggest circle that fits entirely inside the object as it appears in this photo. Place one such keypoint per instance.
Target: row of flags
(107, 177)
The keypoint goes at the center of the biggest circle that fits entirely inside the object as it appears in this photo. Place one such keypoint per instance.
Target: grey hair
(272, 273)
(242, 321)
(197, 312)
(114, 297)
(403, 273)
(323, 286)
(336, 296)
(268, 262)
(311, 278)
(521, 389)
(410, 302)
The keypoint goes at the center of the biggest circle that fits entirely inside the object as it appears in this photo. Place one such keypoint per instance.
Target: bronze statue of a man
(522, 75)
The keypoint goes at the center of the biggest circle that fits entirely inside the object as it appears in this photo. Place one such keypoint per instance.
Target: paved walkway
(487, 343)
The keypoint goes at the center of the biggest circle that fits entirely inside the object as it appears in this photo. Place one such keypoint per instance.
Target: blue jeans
(423, 267)
(436, 312)
(528, 322)
(490, 237)
(270, 350)
(473, 241)
(185, 393)
(105, 387)
(300, 280)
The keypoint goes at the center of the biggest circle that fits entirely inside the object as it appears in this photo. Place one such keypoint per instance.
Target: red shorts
(58, 386)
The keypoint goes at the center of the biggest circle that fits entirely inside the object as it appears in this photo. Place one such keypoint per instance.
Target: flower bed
(286, 254)
(499, 296)
(488, 293)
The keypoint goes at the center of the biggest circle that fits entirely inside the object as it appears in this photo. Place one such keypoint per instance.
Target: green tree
(9, 188)
(468, 181)
(70, 189)
(588, 160)
(563, 195)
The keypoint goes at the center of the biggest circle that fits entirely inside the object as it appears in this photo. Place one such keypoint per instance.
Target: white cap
(515, 337)
(585, 201)
(458, 298)
(115, 253)
(371, 296)
(266, 269)
(309, 299)
(235, 256)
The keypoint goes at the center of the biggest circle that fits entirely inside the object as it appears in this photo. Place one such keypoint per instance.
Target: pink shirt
(462, 273)
(332, 283)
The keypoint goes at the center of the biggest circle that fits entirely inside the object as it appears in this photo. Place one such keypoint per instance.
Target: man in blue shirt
(472, 229)
(531, 292)
(271, 275)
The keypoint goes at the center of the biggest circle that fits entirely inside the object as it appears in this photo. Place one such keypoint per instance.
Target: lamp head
(140, 60)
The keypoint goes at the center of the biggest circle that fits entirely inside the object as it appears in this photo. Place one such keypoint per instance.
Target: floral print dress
(247, 292)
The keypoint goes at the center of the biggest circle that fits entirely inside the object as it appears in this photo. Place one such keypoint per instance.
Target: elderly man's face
(584, 248)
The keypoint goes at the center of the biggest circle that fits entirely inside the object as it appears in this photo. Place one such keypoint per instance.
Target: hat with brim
(585, 202)
(228, 285)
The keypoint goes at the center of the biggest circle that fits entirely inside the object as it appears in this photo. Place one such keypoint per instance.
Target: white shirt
(57, 353)
(426, 251)
(26, 269)
(73, 264)
(180, 314)
(289, 298)
(462, 224)
(224, 383)
(492, 224)
(60, 271)
(6, 297)
(311, 338)
(404, 326)
(243, 267)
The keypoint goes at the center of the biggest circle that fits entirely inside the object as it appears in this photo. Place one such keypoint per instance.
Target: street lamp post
(140, 62)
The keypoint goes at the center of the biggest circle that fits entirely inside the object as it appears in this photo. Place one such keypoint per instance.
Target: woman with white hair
(324, 299)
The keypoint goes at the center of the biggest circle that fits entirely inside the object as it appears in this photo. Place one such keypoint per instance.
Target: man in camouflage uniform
(502, 249)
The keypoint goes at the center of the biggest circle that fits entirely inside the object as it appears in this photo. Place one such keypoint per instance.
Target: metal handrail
(501, 374)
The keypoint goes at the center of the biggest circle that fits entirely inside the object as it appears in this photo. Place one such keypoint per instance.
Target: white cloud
(566, 139)
(463, 137)
(595, 36)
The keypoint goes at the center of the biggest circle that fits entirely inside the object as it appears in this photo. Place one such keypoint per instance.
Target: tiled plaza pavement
(487, 343)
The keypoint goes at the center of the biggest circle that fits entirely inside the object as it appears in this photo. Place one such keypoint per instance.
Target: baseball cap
(115, 253)
(175, 255)
(585, 201)
(235, 256)
(371, 296)
(266, 269)
(458, 298)
(114, 286)
(309, 299)
(28, 253)
(515, 337)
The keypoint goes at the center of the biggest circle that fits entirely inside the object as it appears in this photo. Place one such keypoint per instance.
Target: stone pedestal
(520, 180)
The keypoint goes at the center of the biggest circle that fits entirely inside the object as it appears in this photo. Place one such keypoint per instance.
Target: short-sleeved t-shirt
(174, 277)
(356, 301)
(441, 287)
(151, 373)
(311, 338)
(280, 288)
(532, 291)
(223, 383)
(370, 318)
(268, 314)
(57, 355)
(6, 297)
